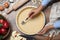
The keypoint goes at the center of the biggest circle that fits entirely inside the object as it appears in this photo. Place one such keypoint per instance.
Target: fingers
(43, 31)
(31, 14)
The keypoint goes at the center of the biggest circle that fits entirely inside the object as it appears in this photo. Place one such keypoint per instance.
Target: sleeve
(57, 24)
(45, 2)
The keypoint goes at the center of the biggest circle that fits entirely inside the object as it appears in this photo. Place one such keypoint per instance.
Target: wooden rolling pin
(17, 5)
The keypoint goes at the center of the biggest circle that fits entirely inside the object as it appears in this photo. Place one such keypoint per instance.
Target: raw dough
(34, 25)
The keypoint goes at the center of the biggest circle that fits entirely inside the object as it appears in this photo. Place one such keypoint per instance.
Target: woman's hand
(46, 29)
(36, 11)
(33, 13)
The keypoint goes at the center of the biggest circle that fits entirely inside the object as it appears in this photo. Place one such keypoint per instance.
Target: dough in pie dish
(32, 26)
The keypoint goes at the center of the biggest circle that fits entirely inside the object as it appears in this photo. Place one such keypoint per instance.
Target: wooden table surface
(12, 18)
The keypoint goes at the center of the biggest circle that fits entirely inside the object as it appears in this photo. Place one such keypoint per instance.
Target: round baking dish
(21, 28)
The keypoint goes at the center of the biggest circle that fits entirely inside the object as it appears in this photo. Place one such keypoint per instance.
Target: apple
(3, 31)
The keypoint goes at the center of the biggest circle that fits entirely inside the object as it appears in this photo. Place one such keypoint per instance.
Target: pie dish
(33, 26)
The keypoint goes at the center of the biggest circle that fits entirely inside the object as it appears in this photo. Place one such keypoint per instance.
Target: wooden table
(12, 18)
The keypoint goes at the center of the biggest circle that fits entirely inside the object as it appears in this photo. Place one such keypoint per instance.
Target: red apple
(5, 24)
(3, 31)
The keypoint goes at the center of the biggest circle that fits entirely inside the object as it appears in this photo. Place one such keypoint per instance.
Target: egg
(1, 8)
(6, 4)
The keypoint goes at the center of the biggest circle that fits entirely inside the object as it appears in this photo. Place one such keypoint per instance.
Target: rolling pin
(17, 5)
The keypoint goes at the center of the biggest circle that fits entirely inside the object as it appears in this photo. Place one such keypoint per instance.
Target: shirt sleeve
(45, 2)
(57, 24)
